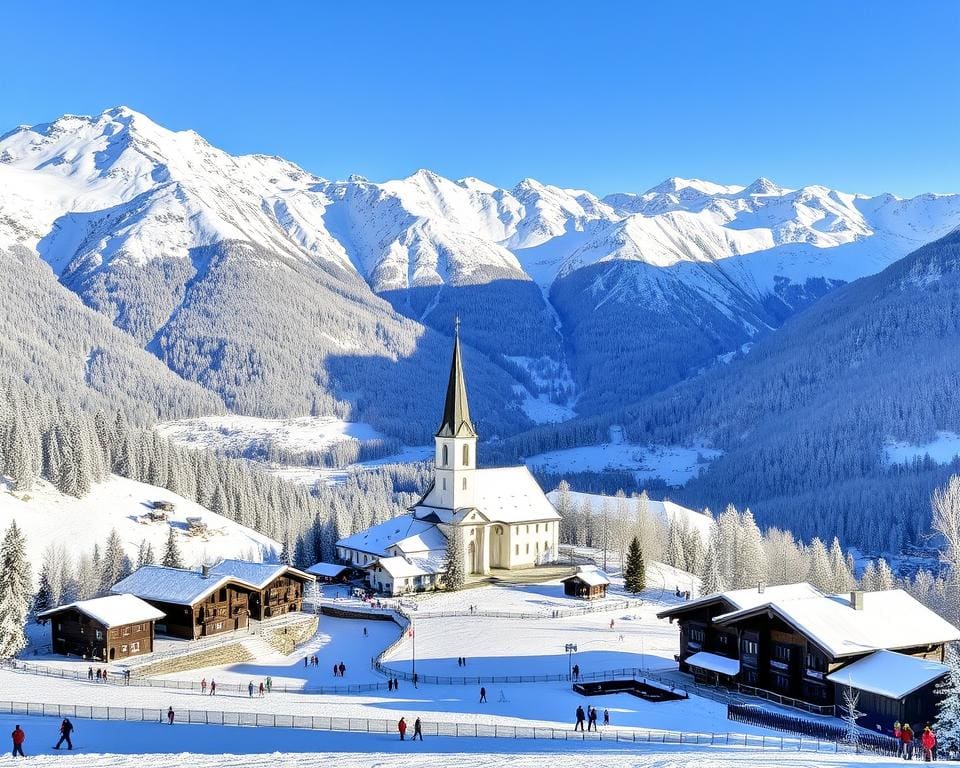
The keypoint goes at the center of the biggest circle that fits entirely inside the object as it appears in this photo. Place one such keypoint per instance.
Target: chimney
(856, 600)
(204, 571)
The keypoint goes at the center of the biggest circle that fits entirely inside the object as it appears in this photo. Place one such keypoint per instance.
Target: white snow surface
(889, 674)
(672, 463)
(47, 516)
(714, 662)
(113, 610)
(943, 449)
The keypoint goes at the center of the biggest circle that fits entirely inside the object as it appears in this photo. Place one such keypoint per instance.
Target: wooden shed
(105, 628)
(588, 583)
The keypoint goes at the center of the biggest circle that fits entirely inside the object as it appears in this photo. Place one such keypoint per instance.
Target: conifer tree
(635, 573)
(712, 577)
(947, 725)
(15, 589)
(456, 576)
(171, 552)
(116, 564)
(821, 574)
(884, 578)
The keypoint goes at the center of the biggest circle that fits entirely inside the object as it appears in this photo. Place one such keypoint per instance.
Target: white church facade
(506, 520)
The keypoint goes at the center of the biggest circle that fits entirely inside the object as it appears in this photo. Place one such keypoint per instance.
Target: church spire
(456, 410)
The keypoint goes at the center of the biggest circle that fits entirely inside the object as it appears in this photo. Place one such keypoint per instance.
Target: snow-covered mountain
(241, 272)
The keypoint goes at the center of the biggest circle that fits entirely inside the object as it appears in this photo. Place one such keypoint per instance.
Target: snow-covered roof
(511, 495)
(401, 567)
(714, 663)
(415, 536)
(257, 574)
(327, 570)
(889, 619)
(889, 674)
(590, 574)
(112, 610)
(744, 599)
(171, 585)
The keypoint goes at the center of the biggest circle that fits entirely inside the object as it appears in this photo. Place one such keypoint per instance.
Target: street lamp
(571, 649)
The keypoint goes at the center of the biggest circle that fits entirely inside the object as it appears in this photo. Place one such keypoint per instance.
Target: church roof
(456, 410)
(511, 495)
(406, 532)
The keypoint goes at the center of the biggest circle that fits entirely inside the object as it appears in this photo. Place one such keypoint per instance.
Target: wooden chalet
(588, 583)
(105, 628)
(796, 645)
(275, 589)
(195, 603)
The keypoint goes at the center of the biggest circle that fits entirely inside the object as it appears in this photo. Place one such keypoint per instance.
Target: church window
(445, 456)
(444, 482)
(528, 529)
(537, 528)
(516, 549)
(528, 549)
(466, 455)
(464, 483)
(516, 530)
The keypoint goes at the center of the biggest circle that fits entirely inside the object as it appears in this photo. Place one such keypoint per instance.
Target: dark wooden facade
(574, 586)
(224, 609)
(73, 633)
(281, 596)
(775, 657)
(879, 712)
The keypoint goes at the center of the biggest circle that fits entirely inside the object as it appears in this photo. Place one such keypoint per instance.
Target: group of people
(212, 686)
(590, 717)
(311, 661)
(907, 741)
(393, 684)
(461, 661)
(339, 670)
(98, 674)
(19, 736)
(417, 729)
(265, 687)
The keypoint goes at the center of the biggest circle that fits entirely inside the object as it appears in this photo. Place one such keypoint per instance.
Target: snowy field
(47, 516)
(943, 449)
(673, 464)
(102, 744)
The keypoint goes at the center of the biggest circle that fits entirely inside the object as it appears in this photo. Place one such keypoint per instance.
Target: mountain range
(270, 291)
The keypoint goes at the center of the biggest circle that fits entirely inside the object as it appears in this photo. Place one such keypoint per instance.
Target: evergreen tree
(635, 573)
(884, 578)
(676, 556)
(753, 560)
(821, 574)
(843, 580)
(456, 576)
(712, 577)
(947, 725)
(15, 589)
(116, 564)
(171, 552)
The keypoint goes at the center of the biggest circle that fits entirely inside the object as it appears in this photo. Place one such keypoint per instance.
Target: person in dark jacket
(170, 715)
(580, 718)
(18, 737)
(483, 695)
(66, 728)
(593, 719)
(417, 730)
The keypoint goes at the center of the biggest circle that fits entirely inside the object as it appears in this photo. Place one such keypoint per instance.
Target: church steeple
(456, 410)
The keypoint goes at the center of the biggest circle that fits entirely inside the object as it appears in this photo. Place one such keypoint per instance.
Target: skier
(402, 727)
(203, 686)
(170, 715)
(250, 689)
(580, 718)
(66, 728)
(213, 687)
(483, 695)
(593, 719)
(606, 717)
(18, 737)
(262, 689)
(269, 684)
(416, 730)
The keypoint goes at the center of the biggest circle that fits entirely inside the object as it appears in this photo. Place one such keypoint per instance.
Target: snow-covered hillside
(49, 517)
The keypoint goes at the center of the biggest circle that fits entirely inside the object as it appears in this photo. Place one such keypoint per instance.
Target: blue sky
(608, 96)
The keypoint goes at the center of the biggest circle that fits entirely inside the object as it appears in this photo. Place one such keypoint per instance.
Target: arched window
(445, 456)
(464, 483)
(466, 455)
(444, 483)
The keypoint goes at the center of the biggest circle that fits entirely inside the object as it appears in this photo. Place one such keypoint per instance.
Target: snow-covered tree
(843, 580)
(851, 699)
(884, 578)
(676, 555)
(171, 552)
(635, 572)
(947, 724)
(753, 560)
(712, 577)
(456, 576)
(868, 579)
(15, 592)
(116, 564)
(821, 574)
(567, 511)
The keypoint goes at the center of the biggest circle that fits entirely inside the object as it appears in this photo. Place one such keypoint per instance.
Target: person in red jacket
(906, 736)
(402, 727)
(18, 737)
(928, 741)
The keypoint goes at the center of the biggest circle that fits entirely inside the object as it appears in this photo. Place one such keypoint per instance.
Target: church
(506, 520)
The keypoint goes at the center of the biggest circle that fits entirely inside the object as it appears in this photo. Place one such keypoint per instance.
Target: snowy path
(111, 745)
